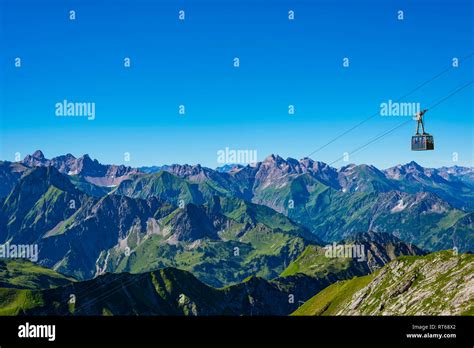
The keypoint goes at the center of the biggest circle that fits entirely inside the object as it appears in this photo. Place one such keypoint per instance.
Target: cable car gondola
(423, 141)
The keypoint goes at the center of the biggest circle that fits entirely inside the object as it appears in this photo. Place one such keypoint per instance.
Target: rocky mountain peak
(413, 166)
(273, 159)
(38, 154)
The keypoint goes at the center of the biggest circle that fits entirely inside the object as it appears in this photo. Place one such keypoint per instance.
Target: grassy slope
(313, 262)
(164, 292)
(447, 270)
(26, 275)
(214, 262)
(330, 300)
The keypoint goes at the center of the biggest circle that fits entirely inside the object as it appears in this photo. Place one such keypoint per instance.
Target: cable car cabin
(422, 142)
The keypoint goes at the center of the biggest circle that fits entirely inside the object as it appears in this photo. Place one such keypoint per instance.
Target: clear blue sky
(282, 62)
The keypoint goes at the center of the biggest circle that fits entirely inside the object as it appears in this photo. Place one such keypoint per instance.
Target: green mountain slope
(95, 228)
(39, 202)
(170, 291)
(370, 251)
(221, 243)
(23, 274)
(421, 218)
(163, 185)
(165, 292)
(10, 174)
(436, 284)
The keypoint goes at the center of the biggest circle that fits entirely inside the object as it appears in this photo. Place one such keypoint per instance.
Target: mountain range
(246, 238)
(171, 291)
(439, 283)
(429, 207)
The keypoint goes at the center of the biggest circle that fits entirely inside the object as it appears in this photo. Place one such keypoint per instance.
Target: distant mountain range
(91, 170)
(259, 229)
(429, 207)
